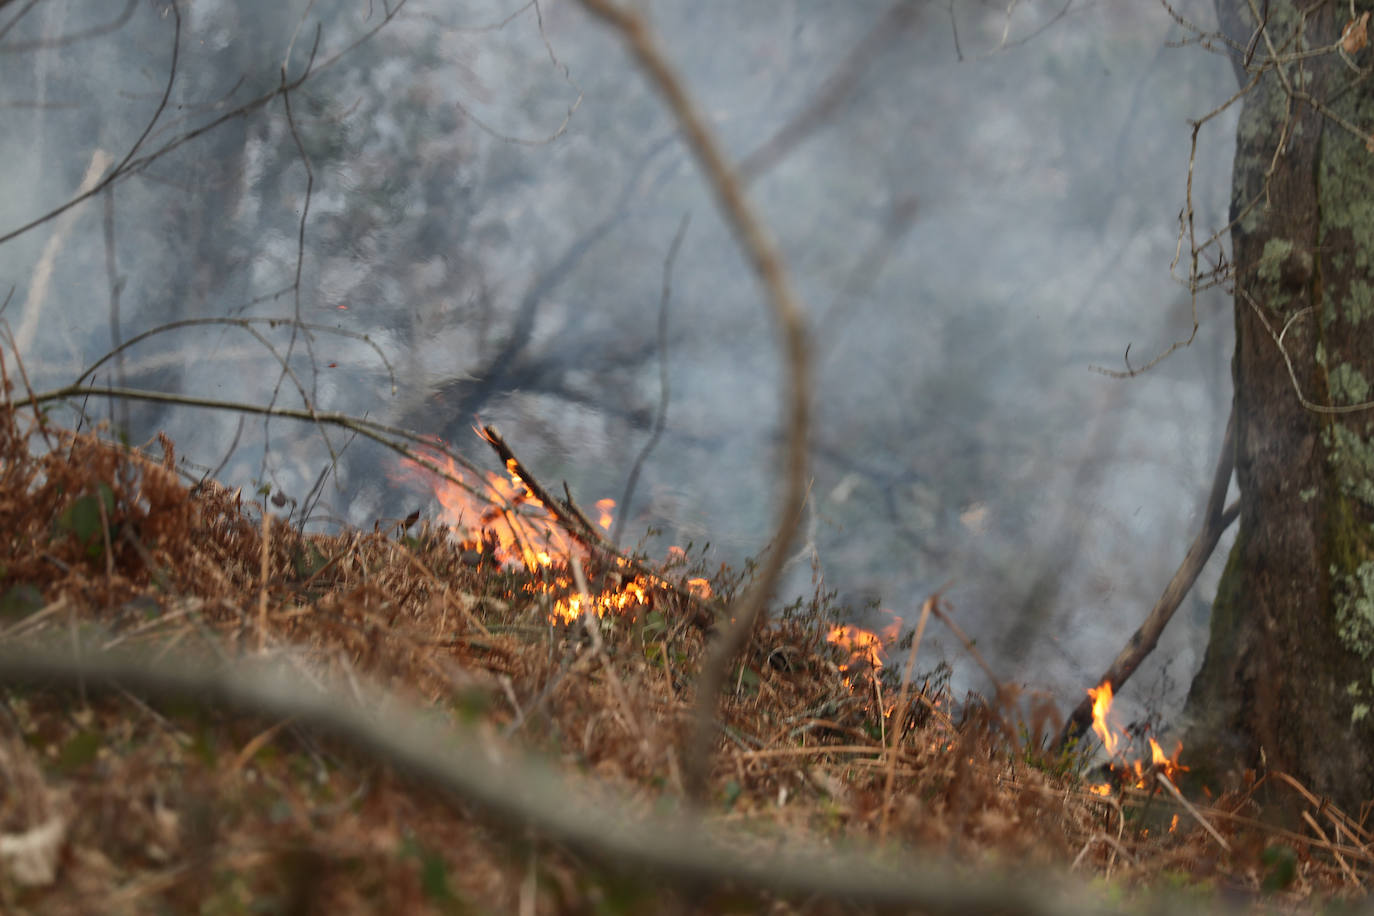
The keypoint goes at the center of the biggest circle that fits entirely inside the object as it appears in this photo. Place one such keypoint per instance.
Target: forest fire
(1137, 772)
(499, 515)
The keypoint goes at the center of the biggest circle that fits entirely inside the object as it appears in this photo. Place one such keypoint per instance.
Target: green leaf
(471, 705)
(433, 874)
(623, 895)
(655, 624)
(20, 601)
(434, 878)
(1281, 864)
(308, 561)
(79, 750)
(203, 745)
(82, 518)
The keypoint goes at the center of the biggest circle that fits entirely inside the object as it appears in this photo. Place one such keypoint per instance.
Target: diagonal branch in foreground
(518, 792)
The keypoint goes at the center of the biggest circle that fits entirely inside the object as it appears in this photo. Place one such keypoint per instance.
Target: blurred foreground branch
(519, 792)
(767, 263)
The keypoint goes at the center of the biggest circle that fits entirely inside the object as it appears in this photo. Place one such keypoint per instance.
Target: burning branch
(569, 516)
(1144, 639)
(580, 528)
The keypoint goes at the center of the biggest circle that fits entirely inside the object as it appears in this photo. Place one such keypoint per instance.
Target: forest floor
(114, 800)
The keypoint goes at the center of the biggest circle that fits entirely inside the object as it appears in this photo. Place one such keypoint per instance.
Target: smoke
(977, 208)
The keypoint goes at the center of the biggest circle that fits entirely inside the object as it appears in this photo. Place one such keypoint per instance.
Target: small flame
(863, 645)
(632, 594)
(1102, 704)
(866, 648)
(501, 508)
(498, 513)
(1138, 772)
(1157, 755)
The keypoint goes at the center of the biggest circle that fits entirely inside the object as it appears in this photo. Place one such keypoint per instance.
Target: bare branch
(767, 263)
(246, 324)
(62, 41)
(838, 87)
(132, 166)
(661, 416)
(1276, 59)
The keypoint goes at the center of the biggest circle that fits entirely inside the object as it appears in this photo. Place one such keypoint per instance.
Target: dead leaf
(1355, 35)
(32, 855)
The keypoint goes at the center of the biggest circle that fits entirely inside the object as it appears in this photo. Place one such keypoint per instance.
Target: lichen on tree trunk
(1288, 679)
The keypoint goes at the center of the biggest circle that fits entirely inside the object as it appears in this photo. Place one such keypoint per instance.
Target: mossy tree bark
(1288, 678)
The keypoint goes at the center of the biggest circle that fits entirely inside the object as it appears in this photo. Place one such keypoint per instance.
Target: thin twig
(661, 416)
(899, 720)
(833, 93)
(592, 624)
(1188, 806)
(1331, 848)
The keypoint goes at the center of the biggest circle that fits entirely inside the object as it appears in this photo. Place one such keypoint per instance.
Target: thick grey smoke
(988, 207)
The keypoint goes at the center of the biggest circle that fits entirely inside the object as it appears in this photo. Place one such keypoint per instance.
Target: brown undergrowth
(111, 804)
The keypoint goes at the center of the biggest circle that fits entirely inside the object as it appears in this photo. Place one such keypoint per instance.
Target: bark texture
(1288, 678)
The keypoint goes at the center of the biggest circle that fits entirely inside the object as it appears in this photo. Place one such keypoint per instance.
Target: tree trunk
(1287, 679)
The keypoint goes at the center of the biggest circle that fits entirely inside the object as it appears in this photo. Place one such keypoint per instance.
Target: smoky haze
(978, 201)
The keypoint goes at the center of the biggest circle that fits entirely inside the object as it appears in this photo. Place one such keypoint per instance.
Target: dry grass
(109, 804)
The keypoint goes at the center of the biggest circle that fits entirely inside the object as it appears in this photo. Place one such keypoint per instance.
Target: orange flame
(1157, 755)
(500, 513)
(568, 609)
(863, 645)
(1138, 772)
(502, 507)
(866, 648)
(1102, 704)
